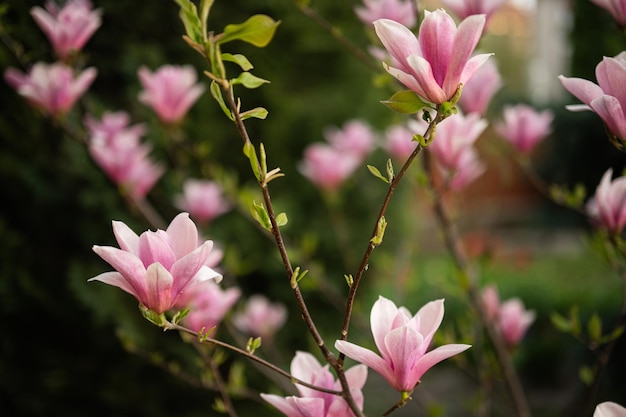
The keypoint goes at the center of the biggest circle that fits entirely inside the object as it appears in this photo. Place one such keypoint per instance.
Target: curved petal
(582, 89)
(611, 76)
(366, 357)
(186, 268)
(284, 406)
(126, 238)
(117, 280)
(470, 68)
(159, 288)
(357, 376)
(154, 248)
(398, 40)
(404, 345)
(610, 110)
(423, 74)
(381, 318)
(435, 356)
(430, 318)
(436, 39)
(305, 366)
(183, 235)
(609, 409)
(308, 407)
(406, 79)
(126, 264)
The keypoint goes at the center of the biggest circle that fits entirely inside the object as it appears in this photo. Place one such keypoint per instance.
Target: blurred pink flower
(67, 28)
(524, 127)
(116, 148)
(491, 301)
(608, 206)
(355, 137)
(170, 91)
(313, 403)
(466, 8)
(51, 87)
(326, 166)
(156, 267)
(399, 141)
(401, 11)
(469, 168)
(402, 340)
(607, 98)
(435, 63)
(208, 303)
(203, 200)
(617, 8)
(514, 320)
(479, 90)
(609, 409)
(261, 317)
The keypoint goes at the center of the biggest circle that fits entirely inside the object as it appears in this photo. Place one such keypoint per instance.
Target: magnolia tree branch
(465, 267)
(219, 381)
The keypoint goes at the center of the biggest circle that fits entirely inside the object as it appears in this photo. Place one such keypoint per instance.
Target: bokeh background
(69, 348)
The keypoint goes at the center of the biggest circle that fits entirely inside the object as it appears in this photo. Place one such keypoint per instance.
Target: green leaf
(260, 215)
(253, 344)
(189, 15)
(281, 219)
(405, 102)
(560, 322)
(216, 92)
(375, 172)
(257, 113)
(390, 173)
(586, 375)
(250, 152)
(248, 80)
(594, 328)
(616, 333)
(205, 8)
(238, 59)
(258, 30)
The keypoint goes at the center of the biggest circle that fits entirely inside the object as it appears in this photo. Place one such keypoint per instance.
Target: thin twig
(219, 381)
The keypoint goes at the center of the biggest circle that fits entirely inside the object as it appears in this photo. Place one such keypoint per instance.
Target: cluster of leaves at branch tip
(259, 213)
(390, 172)
(573, 198)
(154, 318)
(380, 232)
(349, 279)
(593, 337)
(297, 276)
(253, 344)
(179, 315)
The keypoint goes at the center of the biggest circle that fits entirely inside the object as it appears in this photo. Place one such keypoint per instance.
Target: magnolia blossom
(156, 267)
(328, 167)
(453, 147)
(170, 91)
(313, 403)
(617, 8)
(51, 87)
(402, 340)
(116, 148)
(438, 60)
(480, 89)
(355, 137)
(261, 317)
(69, 27)
(609, 409)
(466, 8)
(401, 11)
(399, 141)
(608, 206)
(510, 317)
(203, 200)
(606, 98)
(524, 127)
(208, 303)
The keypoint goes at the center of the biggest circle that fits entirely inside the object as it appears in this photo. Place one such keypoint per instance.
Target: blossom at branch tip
(202, 199)
(170, 91)
(54, 88)
(607, 208)
(480, 89)
(617, 8)
(326, 166)
(355, 137)
(609, 409)
(116, 148)
(439, 59)
(402, 341)
(208, 303)
(313, 403)
(466, 8)
(510, 317)
(607, 98)
(401, 11)
(524, 127)
(68, 28)
(260, 317)
(156, 267)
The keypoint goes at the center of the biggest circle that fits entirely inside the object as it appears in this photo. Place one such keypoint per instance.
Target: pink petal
(117, 280)
(127, 264)
(357, 376)
(430, 318)
(126, 238)
(404, 345)
(435, 356)
(423, 73)
(436, 39)
(611, 76)
(611, 111)
(381, 318)
(183, 235)
(397, 39)
(584, 90)
(282, 404)
(366, 357)
(159, 288)
(154, 248)
(185, 269)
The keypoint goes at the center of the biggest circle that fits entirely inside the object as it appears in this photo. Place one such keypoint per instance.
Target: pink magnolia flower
(399, 141)
(469, 168)
(203, 200)
(466, 8)
(480, 89)
(261, 317)
(402, 340)
(617, 8)
(524, 127)
(435, 63)
(609, 409)
(356, 137)
(116, 148)
(514, 320)
(51, 87)
(170, 91)
(608, 97)
(68, 28)
(400, 11)
(208, 303)
(313, 403)
(156, 267)
(491, 301)
(608, 206)
(326, 166)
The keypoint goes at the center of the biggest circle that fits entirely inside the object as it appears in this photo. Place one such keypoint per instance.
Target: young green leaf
(258, 30)
(250, 152)
(238, 59)
(189, 15)
(257, 113)
(376, 172)
(248, 80)
(281, 219)
(405, 102)
(216, 92)
(260, 215)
